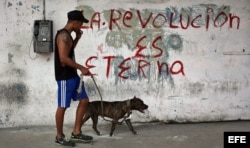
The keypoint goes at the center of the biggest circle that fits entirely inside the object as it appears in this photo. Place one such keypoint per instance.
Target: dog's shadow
(122, 129)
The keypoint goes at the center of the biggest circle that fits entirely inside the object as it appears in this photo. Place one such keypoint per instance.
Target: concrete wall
(188, 60)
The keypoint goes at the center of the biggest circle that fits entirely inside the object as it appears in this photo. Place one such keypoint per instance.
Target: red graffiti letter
(108, 64)
(182, 26)
(140, 48)
(96, 18)
(113, 20)
(144, 24)
(181, 68)
(89, 60)
(141, 64)
(209, 10)
(172, 20)
(158, 48)
(192, 23)
(218, 20)
(123, 68)
(127, 17)
(231, 20)
(160, 65)
(164, 20)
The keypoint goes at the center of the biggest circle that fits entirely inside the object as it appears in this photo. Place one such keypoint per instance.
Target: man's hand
(85, 71)
(78, 34)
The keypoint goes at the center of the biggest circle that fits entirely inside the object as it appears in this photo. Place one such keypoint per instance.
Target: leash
(102, 114)
(79, 91)
(100, 97)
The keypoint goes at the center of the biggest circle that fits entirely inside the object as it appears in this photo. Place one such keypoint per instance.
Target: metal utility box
(43, 36)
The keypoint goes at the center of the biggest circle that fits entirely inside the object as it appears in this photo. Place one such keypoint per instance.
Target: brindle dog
(114, 110)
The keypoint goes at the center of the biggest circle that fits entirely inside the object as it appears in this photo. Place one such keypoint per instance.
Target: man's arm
(64, 43)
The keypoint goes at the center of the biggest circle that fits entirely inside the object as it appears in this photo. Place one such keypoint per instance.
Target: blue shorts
(67, 90)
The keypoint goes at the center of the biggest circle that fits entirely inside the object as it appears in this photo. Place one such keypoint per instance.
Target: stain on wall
(14, 93)
(10, 56)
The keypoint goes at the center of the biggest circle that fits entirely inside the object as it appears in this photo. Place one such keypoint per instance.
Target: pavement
(150, 135)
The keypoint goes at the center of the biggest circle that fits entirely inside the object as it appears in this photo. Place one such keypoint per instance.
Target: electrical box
(43, 36)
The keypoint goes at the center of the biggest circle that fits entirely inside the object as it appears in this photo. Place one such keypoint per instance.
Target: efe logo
(236, 139)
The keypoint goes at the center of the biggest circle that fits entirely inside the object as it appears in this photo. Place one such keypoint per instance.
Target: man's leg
(80, 111)
(77, 135)
(60, 137)
(59, 120)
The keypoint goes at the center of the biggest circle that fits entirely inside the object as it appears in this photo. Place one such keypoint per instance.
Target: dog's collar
(127, 116)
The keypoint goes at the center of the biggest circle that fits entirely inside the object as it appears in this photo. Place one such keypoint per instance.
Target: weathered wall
(188, 60)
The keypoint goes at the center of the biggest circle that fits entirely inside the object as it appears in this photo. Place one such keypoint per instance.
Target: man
(68, 79)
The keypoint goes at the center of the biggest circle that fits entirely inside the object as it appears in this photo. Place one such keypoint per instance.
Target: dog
(114, 110)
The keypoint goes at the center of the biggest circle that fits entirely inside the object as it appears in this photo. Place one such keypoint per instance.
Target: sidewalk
(150, 135)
